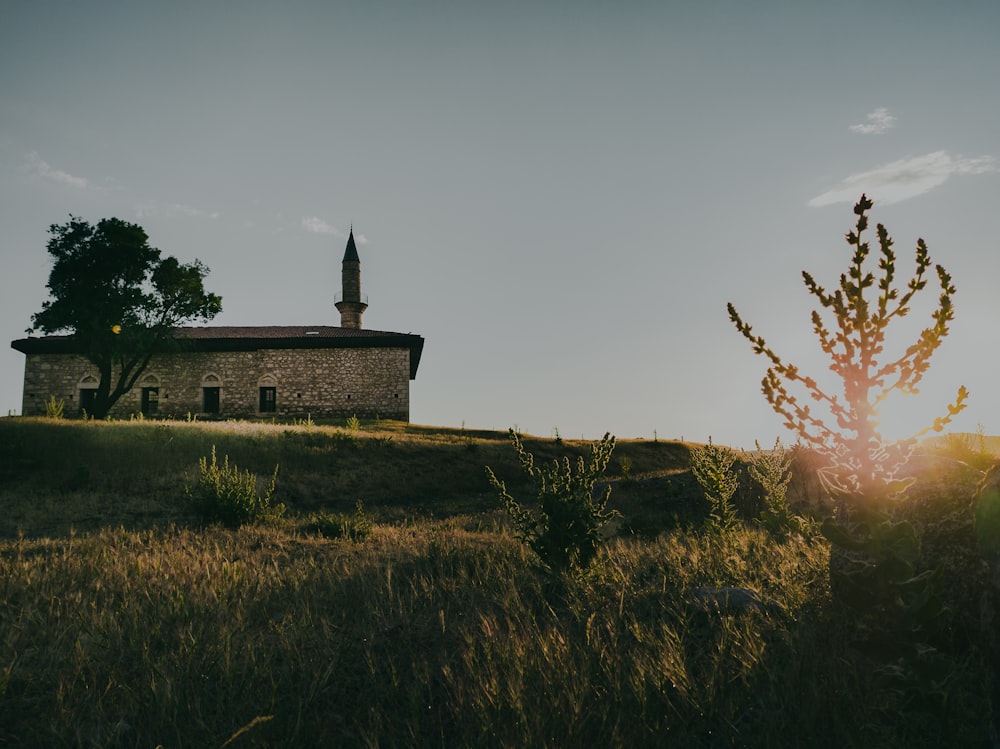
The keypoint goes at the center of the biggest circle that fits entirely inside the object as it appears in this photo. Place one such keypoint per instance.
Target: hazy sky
(561, 197)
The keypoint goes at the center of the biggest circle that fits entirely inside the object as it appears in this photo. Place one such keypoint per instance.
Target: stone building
(247, 372)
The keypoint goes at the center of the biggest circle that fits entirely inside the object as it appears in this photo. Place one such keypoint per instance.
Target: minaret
(350, 305)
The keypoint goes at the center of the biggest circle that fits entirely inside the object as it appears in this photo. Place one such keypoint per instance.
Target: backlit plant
(863, 462)
(712, 468)
(772, 469)
(873, 569)
(565, 531)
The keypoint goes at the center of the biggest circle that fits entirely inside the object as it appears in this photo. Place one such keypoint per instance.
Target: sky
(560, 197)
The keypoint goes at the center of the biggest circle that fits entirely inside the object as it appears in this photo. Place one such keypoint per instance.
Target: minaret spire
(350, 306)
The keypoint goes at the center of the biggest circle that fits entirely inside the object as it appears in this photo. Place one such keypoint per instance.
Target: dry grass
(60, 474)
(436, 631)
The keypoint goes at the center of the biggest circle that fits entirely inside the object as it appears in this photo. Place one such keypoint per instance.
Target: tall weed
(565, 531)
(874, 565)
(230, 496)
(712, 467)
(772, 469)
(54, 408)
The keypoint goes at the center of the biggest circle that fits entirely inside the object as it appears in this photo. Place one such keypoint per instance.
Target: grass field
(124, 622)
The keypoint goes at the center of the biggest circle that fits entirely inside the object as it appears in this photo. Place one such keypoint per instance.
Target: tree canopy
(119, 299)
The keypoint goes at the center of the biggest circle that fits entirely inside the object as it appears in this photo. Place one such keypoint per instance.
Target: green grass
(124, 623)
(57, 474)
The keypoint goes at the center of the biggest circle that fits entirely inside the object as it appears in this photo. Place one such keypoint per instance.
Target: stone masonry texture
(321, 383)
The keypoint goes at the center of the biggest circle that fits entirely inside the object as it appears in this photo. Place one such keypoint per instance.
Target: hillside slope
(59, 473)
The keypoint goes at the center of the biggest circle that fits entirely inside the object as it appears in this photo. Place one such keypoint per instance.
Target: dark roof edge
(415, 343)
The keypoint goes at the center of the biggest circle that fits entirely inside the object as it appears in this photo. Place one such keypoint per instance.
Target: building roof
(351, 252)
(253, 338)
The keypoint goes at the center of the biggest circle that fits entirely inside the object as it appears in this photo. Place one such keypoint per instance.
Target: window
(268, 400)
(210, 400)
(150, 401)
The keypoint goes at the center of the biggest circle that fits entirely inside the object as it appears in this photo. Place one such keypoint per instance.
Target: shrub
(712, 468)
(354, 423)
(358, 526)
(966, 448)
(772, 469)
(54, 408)
(230, 496)
(565, 531)
(625, 463)
(355, 527)
(307, 422)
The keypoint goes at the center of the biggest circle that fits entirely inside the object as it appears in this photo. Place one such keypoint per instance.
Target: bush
(565, 532)
(227, 495)
(355, 527)
(358, 526)
(712, 467)
(625, 463)
(54, 408)
(772, 469)
(966, 448)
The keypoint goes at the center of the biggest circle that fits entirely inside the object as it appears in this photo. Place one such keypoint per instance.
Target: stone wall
(322, 383)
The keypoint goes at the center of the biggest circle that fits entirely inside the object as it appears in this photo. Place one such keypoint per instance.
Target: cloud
(159, 209)
(39, 167)
(316, 225)
(147, 209)
(904, 179)
(879, 121)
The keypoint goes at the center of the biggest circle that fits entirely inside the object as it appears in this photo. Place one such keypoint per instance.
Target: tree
(864, 464)
(119, 299)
